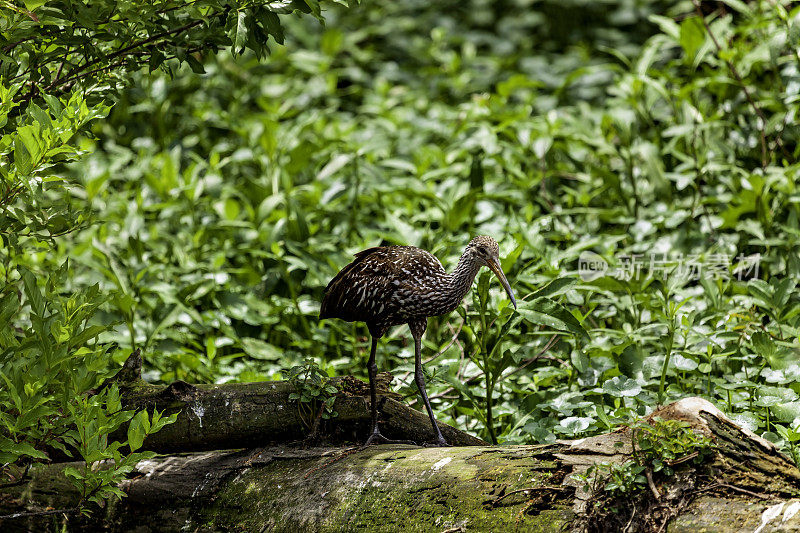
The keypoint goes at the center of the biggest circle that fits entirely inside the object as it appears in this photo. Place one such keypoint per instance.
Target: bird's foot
(440, 442)
(378, 438)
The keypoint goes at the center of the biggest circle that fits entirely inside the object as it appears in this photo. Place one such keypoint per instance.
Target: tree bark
(746, 485)
(240, 415)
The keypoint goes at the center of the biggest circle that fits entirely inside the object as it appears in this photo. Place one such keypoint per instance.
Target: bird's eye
(481, 250)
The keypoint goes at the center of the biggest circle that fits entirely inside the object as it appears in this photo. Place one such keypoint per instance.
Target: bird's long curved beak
(495, 267)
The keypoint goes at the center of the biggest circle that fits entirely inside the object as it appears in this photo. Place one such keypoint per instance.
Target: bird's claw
(377, 438)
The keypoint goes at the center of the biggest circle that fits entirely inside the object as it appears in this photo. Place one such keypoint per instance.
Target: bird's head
(485, 251)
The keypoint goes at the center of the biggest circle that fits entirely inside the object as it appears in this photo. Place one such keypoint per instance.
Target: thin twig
(650, 483)
(540, 355)
(494, 502)
(11, 46)
(683, 459)
(63, 61)
(633, 513)
(740, 489)
(81, 72)
(39, 513)
(448, 345)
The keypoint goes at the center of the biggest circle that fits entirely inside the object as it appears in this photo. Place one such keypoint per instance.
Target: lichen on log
(745, 484)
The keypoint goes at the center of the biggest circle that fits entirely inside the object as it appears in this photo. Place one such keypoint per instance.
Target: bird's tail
(330, 306)
(324, 311)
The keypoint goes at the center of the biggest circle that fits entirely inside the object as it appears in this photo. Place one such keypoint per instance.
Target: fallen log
(744, 484)
(241, 415)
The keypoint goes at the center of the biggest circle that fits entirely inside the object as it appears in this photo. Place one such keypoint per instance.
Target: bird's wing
(367, 289)
(354, 266)
(350, 293)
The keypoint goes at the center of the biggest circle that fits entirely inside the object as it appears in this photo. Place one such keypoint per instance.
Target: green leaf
(156, 59)
(259, 349)
(554, 287)
(19, 449)
(33, 292)
(31, 5)
(666, 25)
(239, 34)
(693, 35)
(787, 412)
(137, 430)
(272, 23)
(739, 6)
(684, 364)
(86, 335)
(461, 210)
(22, 157)
(572, 425)
(160, 421)
(194, 64)
(620, 386)
(74, 473)
(546, 312)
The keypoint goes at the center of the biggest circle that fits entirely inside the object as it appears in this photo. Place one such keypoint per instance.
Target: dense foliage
(61, 65)
(669, 137)
(658, 139)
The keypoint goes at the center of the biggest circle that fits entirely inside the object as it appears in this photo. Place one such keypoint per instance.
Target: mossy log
(240, 415)
(745, 485)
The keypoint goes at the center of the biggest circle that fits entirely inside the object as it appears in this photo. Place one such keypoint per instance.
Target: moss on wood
(395, 488)
(746, 484)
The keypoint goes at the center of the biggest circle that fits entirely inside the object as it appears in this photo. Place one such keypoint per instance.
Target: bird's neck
(461, 280)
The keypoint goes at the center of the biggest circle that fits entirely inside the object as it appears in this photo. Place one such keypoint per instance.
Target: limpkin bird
(392, 285)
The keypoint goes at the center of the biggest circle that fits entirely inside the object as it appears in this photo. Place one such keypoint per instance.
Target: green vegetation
(61, 65)
(616, 489)
(315, 393)
(214, 202)
(662, 444)
(658, 445)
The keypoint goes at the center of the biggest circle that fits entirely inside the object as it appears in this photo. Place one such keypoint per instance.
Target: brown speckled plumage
(391, 285)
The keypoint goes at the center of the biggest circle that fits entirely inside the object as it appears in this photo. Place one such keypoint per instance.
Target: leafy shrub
(62, 63)
(314, 393)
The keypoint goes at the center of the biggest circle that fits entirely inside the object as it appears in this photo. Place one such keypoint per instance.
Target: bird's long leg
(419, 378)
(372, 371)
